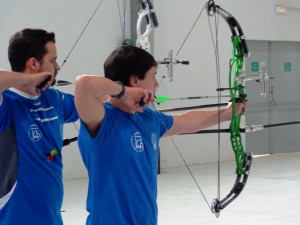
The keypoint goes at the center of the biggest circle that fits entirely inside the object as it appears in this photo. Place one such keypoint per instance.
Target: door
(281, 100)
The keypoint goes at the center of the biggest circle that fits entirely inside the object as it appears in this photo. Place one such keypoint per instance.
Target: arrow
(163, 99)
(192, 107)
(62, 83)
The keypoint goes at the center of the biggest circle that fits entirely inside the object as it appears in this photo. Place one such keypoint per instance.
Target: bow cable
(172, 139)
(80, 35)
(67, 141)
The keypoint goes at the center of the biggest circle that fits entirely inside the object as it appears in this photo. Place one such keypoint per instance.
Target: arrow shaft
(192, 107)
(197, 97)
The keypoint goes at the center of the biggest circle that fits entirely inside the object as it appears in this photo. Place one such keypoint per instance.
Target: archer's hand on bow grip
(240, 107)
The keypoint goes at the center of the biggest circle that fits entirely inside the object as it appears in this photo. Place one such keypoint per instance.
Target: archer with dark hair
(119, 139)
(32, 115)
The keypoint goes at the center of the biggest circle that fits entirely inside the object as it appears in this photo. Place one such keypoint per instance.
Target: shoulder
(9, 96)
(54, 93)
(162, 118)
(154, 112)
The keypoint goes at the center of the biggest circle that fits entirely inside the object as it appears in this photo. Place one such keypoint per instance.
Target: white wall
(67, 19)
(259, 22)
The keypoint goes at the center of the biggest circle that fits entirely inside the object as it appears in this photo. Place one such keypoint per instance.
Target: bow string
(67, 141)
(236, 88)
(143, 42)
(148, 12)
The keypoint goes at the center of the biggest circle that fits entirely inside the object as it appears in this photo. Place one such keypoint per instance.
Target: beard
(55, 75)
(54, 82)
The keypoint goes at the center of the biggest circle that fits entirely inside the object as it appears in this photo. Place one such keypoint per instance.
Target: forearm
(96, 86)
(11, 79)
(194, 121)
(198, 120)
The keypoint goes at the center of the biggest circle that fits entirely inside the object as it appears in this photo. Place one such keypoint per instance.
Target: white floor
(271, 196)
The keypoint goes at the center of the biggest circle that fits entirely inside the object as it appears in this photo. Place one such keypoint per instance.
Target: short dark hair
(28, 43)
(126, 61)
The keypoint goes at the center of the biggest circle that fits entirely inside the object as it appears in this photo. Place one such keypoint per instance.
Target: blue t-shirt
(36, 197)
(122, 166)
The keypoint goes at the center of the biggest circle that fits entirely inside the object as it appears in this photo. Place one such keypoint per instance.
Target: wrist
(122, 92)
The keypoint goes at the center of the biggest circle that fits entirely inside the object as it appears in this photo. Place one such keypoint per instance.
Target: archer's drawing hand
(39, 81)
(137, 98)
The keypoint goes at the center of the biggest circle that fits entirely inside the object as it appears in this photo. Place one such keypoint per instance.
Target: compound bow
(236, 87)
(237, 93)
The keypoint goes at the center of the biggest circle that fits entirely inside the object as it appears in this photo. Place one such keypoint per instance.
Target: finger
(148, 98)
(151, 97)
(244, 109)
(229, 105)
(138, 107)
(43, 84)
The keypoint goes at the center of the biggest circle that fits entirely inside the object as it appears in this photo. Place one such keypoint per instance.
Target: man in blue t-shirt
(32, 115)
(119, 139)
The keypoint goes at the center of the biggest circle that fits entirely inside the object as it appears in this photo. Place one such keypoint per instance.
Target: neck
(22, 88)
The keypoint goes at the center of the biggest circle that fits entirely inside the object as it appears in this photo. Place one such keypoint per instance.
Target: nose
(156, 84)
(57, 67)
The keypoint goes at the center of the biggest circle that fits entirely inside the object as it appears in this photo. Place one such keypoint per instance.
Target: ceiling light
(280, 9)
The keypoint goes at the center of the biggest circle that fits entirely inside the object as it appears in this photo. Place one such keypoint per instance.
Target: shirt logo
(34, 133)
(137, 142)
(154, 141)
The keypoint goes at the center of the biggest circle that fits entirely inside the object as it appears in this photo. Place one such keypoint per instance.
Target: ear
(133, 81)
(33, 64)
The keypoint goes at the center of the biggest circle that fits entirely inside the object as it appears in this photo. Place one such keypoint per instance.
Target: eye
(53, 61)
